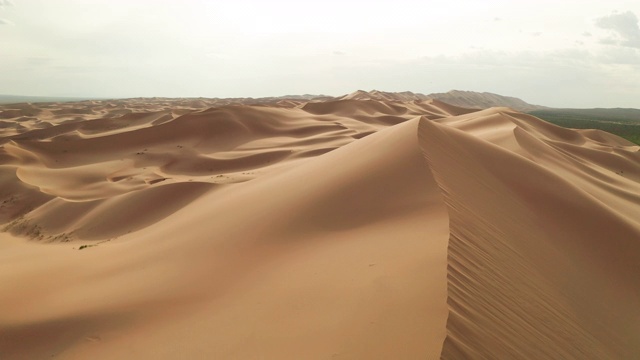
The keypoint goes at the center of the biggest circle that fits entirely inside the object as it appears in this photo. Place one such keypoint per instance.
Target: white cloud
(620, 56)
(142, 48)
(623, 27)
(4, 3)
(572, 77)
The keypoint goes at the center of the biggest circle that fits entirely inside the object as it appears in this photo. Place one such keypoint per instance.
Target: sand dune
(523, 251)
(376, 226)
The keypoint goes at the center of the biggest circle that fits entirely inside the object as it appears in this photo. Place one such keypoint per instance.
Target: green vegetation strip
(622, 122)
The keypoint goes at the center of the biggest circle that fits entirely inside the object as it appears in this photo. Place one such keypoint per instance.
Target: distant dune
(370, 226)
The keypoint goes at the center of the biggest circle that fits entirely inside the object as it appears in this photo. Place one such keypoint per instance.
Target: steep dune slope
(545, 239)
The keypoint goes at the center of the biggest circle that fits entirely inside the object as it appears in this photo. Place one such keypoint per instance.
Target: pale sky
(554, 53)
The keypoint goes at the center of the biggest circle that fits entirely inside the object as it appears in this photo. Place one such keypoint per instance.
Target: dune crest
(378, 225)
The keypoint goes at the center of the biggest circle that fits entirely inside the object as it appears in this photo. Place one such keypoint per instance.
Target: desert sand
(359, 227)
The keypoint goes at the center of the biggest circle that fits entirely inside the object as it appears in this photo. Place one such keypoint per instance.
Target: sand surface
(357, 227)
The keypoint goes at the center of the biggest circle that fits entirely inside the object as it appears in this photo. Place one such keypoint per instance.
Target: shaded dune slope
(545, 239)
(336, 229)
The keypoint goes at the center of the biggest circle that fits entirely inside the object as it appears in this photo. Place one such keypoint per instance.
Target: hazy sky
(556, 53)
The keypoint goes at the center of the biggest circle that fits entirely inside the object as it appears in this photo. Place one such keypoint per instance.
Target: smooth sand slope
(347, 228)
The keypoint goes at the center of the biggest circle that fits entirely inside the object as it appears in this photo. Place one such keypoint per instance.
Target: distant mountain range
(14, 99)
(484, 100)
(466, 99)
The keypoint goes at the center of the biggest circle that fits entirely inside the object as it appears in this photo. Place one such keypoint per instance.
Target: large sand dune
(351, 228)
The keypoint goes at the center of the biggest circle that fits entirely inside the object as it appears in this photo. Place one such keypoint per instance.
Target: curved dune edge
(539, 265)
